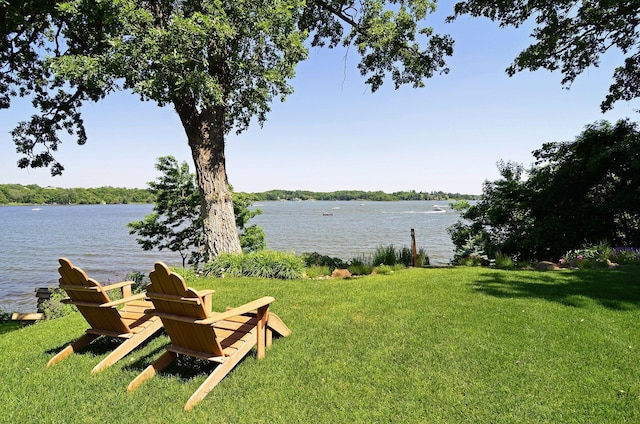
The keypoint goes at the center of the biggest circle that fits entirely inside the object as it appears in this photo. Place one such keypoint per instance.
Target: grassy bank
(421, 345)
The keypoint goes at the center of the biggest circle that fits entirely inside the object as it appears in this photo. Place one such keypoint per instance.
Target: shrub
(315, 258)
(625, 255)
(272, 264)
(384, 255)
(263, 264)
(225, 265)
(360, 269)
(360, 266)
(54, 308)
(390, 256)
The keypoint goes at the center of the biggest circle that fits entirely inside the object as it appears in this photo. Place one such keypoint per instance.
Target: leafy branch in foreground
(176, 223)
(571, 36)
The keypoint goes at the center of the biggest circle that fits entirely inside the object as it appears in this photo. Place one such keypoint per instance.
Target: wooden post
(414, 251)
(42, 294)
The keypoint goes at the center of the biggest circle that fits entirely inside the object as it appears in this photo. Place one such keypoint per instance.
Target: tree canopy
(219, 64)
(571, 36)
(581, 192)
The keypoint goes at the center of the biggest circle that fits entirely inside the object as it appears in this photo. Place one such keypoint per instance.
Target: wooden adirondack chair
(194, 330)
(130, 323)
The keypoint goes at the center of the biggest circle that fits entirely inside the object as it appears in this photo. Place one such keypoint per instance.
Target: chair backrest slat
(81, 288)
(170, 295)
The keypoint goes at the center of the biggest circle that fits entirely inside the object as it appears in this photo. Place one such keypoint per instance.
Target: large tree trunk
(205, 132)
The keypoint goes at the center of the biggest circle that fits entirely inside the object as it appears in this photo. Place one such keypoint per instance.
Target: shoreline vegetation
(17, 194)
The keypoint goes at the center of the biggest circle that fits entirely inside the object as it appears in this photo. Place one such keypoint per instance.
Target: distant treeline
(360, 195)
(36, 195)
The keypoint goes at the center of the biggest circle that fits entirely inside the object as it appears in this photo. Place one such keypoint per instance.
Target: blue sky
(334, 134)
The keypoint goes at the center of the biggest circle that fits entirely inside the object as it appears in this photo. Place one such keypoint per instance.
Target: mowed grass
(421, 345)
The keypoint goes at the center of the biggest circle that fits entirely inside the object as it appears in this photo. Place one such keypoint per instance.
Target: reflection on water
(96, 238)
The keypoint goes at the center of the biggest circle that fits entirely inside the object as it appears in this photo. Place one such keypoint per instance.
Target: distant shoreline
(31, 195)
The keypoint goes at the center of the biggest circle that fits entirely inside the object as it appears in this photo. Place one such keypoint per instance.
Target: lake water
(95, 237)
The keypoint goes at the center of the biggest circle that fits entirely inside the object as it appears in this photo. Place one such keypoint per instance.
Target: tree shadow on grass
(617, 289)
(9, 326)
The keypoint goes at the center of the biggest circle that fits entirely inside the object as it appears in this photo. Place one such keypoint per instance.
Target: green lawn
(422, 345)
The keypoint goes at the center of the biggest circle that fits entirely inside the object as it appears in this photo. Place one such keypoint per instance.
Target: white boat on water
(437, 208)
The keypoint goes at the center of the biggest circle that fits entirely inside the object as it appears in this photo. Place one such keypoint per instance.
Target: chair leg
(276, 324)
(269, 337)
(161, 363)
(218, 374)
(127, 346)
(73, 347)
(262, 316)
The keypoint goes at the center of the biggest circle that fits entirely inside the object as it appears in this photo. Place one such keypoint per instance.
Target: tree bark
(205, 133)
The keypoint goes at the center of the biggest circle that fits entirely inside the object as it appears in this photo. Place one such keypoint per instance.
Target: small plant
(471, 260)
(390, 256)
(225, 265)
(471, 253)
(404, 256)
(53, 307)
(625, 255)
(4, 316)
(252, 239)
(383, 269)
(504, 262)
(591, 256)
(423, 259)
(317, 271)
(360, 266)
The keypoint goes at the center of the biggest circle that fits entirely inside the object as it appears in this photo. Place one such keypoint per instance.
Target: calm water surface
(354, 228)
(96, 238)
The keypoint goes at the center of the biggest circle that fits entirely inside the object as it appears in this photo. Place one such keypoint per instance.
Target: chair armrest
(124, 300)
(247, 307)
(207, 301)
(124, 285)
